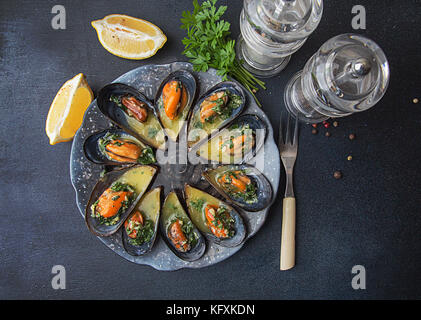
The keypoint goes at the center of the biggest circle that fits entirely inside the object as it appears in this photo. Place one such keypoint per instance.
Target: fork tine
(288, 134)
(295, 141)
(281, 138)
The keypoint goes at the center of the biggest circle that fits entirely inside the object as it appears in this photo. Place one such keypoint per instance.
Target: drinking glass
(272, 30)
(348, 74)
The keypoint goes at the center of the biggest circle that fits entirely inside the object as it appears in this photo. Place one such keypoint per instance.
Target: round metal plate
(85, 174)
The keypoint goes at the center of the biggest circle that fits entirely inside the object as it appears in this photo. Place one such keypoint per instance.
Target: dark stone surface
(370, 217)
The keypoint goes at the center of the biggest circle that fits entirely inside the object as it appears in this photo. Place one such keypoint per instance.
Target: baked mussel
(218, 221)
(215, 109)
(133, 112)
(116, 147)
(178, 231)
(242, 185)
(114, 197)
(141, 227)
(237, 143)
(173, 101)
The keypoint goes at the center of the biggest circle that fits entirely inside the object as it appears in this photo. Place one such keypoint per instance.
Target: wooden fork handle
(288, 234)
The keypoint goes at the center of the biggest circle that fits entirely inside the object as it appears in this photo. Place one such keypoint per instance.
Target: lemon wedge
(129, 37)
(66, 112)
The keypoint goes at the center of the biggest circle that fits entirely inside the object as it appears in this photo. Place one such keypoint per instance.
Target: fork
(288, 151)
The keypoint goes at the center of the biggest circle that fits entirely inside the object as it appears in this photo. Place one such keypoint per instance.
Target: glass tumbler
(272, 30)
(349, 73)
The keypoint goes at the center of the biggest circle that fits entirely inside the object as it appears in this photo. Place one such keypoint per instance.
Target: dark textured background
(370, 217)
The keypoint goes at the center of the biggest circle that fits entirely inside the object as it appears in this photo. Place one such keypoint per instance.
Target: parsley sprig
(208, 44)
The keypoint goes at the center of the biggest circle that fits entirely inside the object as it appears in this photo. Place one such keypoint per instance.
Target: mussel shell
(255, 123)
(93, 224)
(194, 253)
(263, 187)
(93, 152)
(147, 246)
(189, 82)
(239, 226)
(118, 116)
(226, 85)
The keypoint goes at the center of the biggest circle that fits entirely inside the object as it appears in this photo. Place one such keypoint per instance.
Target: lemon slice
(129, 37)
(66, 112)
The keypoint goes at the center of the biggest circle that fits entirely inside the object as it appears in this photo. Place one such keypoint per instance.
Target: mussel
(237, 143)
(173, 100)
(218, 221)
(116, 147)
(242, 185)
(133, 112)
(180, 234)
(140, 228)
(215, 109)
(114, 197)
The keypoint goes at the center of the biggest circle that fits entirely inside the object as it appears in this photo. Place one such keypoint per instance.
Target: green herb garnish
(198, 125)
(250, 195)
(147, 156)
(117, 101)
(144, 233)
(106, 139)
(119, 186)
(198, 204)
(208, 44)
(102, 173)
(152, 132)
(223, 219)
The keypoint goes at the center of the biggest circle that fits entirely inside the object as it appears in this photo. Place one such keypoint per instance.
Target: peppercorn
(326, 124)
(352, 136)
(335, 124)
(314, 131)
(337, 175)
(349, 158)
(314, 125)
(415, 100)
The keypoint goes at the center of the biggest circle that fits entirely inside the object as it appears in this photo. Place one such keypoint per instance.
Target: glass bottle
(348, 74)
(272, 30)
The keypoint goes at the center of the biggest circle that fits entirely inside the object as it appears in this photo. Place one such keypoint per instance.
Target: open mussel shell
(149, 132)
(137, 176)
(174, 126)
(96, 154)
(150, 207)
(197, 131)
(195, 197)
(263, 188)
(217, 149)
(171, 211)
